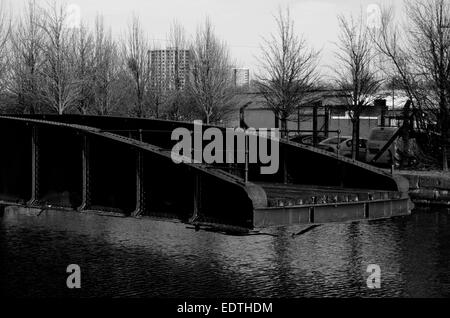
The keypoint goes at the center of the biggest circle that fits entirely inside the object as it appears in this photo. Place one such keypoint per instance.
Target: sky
(240, 23)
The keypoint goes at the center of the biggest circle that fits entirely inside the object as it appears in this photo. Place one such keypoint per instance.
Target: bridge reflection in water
(123, 166)
(124, 257)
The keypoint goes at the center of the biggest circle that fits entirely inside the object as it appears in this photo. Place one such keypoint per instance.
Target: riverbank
(428, 187)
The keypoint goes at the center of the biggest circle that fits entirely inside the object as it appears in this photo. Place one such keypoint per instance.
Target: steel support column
(285, 165)
(311, 214)
(34, 165)
(197, 197)
(85, 191)
(139, 184)
(315, 129)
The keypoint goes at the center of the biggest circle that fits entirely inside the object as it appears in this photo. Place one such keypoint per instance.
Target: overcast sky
(241, 23)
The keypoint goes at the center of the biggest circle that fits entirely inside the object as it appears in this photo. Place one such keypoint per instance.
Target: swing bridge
(123, 167)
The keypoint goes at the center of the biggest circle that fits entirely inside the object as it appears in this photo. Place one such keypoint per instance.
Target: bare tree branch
(135, 52)
(355, 72)
(210, 77)
(288, 69)
(61, 87)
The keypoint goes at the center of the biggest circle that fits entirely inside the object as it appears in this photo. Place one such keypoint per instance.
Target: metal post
(285, 169)
(139, 184)
(247, 141)
(34, 165)
(197, 197)
(366, 210)
(326, 119)
(337, 146)
(315, 124)
(311, 210)
(381, 103)
(86, 191)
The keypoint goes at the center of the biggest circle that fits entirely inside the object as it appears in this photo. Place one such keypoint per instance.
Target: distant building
(241, 77)
(166, 64)
(332, 114)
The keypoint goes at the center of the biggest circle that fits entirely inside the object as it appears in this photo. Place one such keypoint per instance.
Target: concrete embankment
(428, 188)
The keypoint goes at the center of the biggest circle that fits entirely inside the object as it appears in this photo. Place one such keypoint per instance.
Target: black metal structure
(124, 166)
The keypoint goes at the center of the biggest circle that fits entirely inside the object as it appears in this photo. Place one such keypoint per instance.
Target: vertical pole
(381, 104)
(197, 197)
(405, 135)
(86, 191)
(326, 124)
(315, 105)
(285, 168)
(393, 95)
(34, 165)
(311, 209)
(247, 141)
(140, 134)
(139, 184)
(298, 120)
(241, 117)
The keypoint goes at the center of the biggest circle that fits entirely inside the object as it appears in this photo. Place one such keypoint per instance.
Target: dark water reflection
(147, 258)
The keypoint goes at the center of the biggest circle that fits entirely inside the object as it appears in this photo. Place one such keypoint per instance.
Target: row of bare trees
(414, 53)
(54, 68)
(46, 65)
(290, 70)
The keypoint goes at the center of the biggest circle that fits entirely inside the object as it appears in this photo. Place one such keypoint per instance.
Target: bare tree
(5, 28)
(136, 55)
(159, 80)
(83, 49)
(355, 72)
(430, 37)
(209, 83)
(392, 42)
(177, 42)
(27, 59)
(288, 69)
(176, 97)
(60, 83)
(419, 55)
(156, 92)
(106, 68)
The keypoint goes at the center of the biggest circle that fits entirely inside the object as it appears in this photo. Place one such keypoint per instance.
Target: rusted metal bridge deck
(299, 204)
(123, 166)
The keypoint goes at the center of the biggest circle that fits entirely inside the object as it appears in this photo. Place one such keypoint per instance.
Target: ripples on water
(122, 257)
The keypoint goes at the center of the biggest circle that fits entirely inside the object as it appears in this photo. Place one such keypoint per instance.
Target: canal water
(126, 257)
